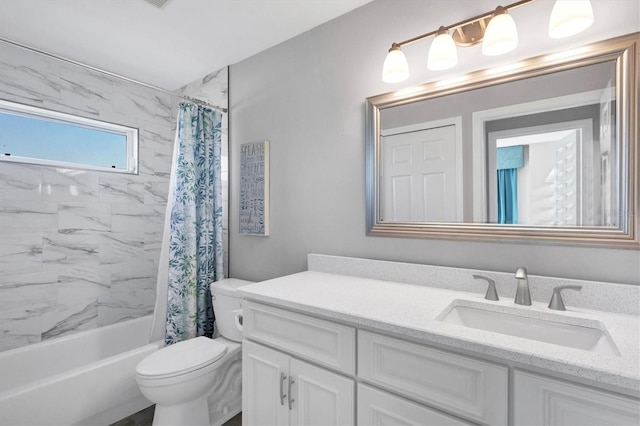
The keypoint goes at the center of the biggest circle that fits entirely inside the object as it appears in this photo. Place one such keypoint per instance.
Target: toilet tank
(227, 305)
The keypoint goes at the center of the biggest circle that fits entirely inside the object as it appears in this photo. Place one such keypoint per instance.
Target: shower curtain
(508, 196)
(508, 160)
(192, 251)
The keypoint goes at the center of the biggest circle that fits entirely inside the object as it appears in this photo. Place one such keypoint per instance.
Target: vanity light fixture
(569, 17)
(496, 30)
(501, 35)
(442, 53)
(395, 68)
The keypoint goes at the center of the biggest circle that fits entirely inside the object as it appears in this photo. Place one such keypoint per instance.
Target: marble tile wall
(79, 249)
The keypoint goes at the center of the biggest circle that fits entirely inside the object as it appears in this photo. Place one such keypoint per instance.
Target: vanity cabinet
(299, 369)
(545, 401)
(281, 390)
(279, 386)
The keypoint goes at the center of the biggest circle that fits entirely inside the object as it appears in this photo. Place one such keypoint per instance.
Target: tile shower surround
(79, 249)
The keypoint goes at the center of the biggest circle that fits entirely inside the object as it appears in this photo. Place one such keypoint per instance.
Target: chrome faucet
(556, 302)
(491, 293)
(523, 297)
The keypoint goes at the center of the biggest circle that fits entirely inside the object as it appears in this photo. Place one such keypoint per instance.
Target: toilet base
(225, 399)
(194, 413)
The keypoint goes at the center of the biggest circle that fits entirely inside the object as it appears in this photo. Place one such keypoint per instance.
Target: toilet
(179, 378)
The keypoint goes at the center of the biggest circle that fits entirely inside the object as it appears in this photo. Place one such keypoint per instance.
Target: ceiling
(167, 47)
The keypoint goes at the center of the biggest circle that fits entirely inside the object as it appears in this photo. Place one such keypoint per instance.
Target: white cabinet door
(379, 408)
(320, 397)
(280, 390)
(264, 380)
(544, 401)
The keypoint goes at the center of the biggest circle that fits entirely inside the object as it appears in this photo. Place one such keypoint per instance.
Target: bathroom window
(40, 136)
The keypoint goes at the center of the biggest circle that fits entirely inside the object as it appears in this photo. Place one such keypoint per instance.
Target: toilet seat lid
(181, 358)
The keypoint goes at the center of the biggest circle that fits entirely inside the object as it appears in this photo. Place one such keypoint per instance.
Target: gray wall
(307, 97)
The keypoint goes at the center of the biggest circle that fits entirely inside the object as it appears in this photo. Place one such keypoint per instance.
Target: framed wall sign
(254, 188)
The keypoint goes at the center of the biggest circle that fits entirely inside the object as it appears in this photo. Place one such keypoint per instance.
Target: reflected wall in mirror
(547, 150)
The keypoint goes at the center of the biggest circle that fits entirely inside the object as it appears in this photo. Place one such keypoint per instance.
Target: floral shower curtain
(195, 240)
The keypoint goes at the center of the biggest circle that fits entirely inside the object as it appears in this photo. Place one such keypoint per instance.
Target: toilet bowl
(180, 377)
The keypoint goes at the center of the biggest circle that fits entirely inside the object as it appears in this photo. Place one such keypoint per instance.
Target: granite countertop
(412, 311)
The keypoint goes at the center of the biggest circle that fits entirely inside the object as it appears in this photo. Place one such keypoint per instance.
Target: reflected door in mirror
(419, 175)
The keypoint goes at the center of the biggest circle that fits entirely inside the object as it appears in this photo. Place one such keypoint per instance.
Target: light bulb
(395, 68)
(501, 35)
(570, 17)
(442, 53)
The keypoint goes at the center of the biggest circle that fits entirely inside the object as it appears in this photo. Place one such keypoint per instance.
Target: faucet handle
(556, 302)
(491, 294)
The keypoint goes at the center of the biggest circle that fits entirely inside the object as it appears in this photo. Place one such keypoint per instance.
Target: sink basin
(587, 334)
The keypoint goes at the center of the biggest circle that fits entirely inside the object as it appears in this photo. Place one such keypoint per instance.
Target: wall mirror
(544, 149)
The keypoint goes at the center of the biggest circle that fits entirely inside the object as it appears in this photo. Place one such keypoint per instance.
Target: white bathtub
(86, 378)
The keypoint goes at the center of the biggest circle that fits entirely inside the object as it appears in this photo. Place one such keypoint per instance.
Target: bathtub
(86, 378)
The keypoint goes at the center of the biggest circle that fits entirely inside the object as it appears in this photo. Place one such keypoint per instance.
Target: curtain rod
(121, 77)
(201, 102)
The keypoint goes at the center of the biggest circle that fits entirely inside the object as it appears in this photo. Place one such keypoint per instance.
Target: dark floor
(145, 418)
